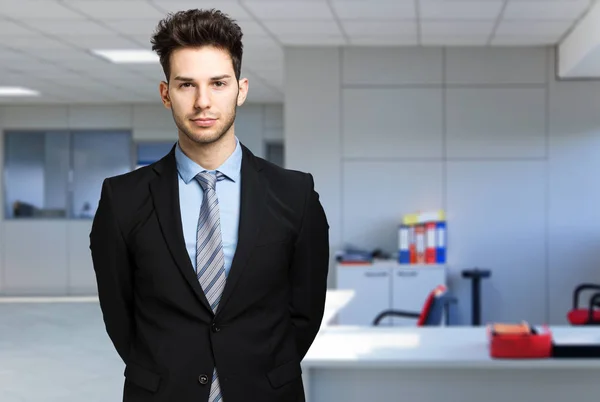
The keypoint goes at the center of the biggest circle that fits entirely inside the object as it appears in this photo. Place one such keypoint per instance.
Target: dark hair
(197, 28)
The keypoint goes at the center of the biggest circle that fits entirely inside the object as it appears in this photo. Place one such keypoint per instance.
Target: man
(211, 264)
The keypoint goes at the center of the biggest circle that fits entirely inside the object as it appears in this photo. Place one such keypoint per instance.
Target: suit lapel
(165, 193)
(252, 205)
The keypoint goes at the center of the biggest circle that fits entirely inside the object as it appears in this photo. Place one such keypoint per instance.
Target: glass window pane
(96, 156)
(150, 152)
(275, 153)
(36, 168)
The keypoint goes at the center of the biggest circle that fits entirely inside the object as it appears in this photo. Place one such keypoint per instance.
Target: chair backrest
(433, 309)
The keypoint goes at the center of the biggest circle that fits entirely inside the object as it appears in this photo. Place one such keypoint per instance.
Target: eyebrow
(220, 77)
(216, 78)
(179, 78)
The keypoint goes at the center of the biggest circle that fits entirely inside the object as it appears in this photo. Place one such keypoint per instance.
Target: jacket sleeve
(113, 273)
(309, 270)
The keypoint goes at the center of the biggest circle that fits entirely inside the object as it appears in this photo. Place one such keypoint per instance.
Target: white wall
(51, 257)
(486, 134)
(313, 128)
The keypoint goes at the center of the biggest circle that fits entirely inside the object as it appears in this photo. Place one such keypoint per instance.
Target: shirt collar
(188, 169)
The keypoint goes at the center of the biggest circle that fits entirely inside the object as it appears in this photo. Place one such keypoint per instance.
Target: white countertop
(379, 264)
(429, 347)
(335, 300)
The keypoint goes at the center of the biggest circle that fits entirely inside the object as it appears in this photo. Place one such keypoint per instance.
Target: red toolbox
(519, 341)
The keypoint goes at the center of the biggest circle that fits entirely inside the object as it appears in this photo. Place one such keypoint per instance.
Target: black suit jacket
(156, 313)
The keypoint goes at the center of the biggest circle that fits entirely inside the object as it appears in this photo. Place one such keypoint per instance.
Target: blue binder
(403, 244)
(440, 242)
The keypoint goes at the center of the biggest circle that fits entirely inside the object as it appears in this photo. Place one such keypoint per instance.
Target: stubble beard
(203, 139)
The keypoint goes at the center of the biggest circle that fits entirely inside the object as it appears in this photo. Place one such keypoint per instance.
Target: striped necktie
(210, 261)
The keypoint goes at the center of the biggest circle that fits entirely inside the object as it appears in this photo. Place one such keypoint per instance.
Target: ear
(243, 91)
(164, 94)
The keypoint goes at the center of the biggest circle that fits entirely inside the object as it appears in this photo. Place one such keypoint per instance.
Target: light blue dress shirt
(228, 193)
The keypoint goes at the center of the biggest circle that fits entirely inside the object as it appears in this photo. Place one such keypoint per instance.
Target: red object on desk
(581, 316)
(508, 341)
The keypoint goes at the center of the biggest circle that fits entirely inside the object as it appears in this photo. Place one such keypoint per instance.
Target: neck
(209, 156)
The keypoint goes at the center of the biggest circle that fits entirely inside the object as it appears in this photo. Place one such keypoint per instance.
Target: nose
(202, 99)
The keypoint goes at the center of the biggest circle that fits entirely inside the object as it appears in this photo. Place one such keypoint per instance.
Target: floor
(57, 351)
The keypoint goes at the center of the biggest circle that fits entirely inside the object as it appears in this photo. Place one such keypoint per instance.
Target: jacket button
(215, 327)
(203, 379)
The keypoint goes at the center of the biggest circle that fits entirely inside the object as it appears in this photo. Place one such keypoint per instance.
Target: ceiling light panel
(127, 56)
(17, 91)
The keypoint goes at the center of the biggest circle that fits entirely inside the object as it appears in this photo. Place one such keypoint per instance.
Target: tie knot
(208, 180)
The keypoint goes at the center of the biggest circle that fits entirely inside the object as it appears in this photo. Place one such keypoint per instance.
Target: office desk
(434, 364)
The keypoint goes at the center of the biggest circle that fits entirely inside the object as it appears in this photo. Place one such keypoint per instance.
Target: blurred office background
(488, 110)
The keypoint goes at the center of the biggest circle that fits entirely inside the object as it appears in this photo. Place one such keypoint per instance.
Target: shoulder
(128, 193)
(296, 190)
(281, 181)
(128, 184)
(126, 198)
(291, 188)
(285, 180)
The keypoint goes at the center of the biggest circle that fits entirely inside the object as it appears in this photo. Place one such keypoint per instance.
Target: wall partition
(59, 174)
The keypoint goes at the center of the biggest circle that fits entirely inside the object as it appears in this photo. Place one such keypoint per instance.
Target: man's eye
(219, 83)
(184, 85)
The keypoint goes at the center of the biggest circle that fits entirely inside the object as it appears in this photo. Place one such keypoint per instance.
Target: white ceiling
(45, 44)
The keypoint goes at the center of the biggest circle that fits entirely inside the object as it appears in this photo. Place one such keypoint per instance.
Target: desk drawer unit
(372, 294)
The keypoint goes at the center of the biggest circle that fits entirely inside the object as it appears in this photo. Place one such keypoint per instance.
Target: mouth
(204, 122)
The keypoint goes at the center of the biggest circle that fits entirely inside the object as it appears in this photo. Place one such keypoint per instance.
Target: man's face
(203, 93)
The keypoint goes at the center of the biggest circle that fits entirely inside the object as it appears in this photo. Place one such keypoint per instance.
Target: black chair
(432, 312)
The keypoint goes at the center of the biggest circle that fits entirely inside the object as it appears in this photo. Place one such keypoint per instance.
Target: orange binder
(412, 244)
(430, 243)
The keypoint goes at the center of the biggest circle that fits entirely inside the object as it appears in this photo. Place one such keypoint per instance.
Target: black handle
(376, 274)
